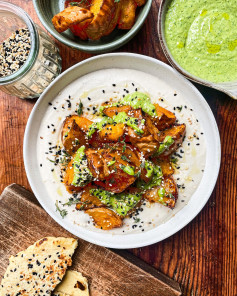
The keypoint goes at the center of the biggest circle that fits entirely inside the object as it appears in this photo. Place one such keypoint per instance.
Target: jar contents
(14, 52)
(202, 37)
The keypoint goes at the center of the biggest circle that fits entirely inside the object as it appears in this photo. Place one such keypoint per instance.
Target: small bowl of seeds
(29, 58)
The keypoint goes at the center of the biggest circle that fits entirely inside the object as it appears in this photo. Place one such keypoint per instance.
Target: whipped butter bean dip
(89, 92)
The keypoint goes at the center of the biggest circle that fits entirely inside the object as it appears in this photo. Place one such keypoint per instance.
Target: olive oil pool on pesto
(202, 37)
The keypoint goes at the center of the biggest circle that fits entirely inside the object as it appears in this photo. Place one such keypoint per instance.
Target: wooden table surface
(202, 257)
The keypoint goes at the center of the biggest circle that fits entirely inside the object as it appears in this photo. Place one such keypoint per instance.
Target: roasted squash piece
(69, 175)
(177, 133)
(166, 193)
(82, 122)
(104, 218)
(115, 19)
(166, 166)
(128, 14)
(122, 155)
(80, 29)
(88, 201)
(97, 164)
(164, 118)
(72, 136)
(112, 133)
(113, 160)
(140, 2)
(112, 111)
(70, 16)
(106, 165)
(117, 182)
(147, 145)
(104, 12)
(151, 128)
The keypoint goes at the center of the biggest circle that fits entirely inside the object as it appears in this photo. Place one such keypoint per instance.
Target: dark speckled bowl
(47, 9)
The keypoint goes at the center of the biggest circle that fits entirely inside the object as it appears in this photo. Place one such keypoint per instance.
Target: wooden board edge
(16, 189)
(172, 285)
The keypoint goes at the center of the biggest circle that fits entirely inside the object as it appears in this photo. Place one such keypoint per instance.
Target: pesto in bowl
(202, 37)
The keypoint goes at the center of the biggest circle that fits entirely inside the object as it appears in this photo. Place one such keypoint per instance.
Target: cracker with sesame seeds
(38, 269)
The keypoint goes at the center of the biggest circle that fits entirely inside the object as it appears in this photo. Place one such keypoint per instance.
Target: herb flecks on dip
(202, 37)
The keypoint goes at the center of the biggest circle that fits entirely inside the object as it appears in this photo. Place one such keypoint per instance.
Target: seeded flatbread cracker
(38, 269)
(73, 284)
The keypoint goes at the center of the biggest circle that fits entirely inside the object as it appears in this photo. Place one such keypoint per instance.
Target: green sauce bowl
(46, 9)
(230, 88)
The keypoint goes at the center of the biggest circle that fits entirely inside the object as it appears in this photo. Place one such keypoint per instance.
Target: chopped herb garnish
(124, 147)
(137, 220)
(125, 158)
(71, 201)
(80, 109)
(174, 159)
(63, 212)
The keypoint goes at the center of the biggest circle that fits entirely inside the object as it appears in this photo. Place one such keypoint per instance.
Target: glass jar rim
(19, 12)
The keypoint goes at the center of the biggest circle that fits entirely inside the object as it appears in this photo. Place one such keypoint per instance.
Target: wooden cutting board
(110, 272)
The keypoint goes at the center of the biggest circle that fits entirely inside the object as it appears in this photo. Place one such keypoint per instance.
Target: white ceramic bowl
(170, 76)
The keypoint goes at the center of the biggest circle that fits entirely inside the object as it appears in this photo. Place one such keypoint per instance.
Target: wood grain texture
(23, 222)
(203, 256)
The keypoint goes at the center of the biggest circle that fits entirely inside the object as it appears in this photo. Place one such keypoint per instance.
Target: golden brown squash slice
(151, 128)
(112, 111)
(73, 133)
(104, 12)
(97, 164)
(164, 118)
(115, 19)
(165, 194)
(69, 175)
(166, 166)
(117, 182)
(106, 165)
(112, 133)
(105, 218)
(70, 16)
(128, 14)
(72, 137)
(147, 145)
(177, 133)
(89, 201)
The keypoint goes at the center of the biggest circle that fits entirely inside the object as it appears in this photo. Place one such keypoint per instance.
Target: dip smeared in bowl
(202, 37)
(89, 95)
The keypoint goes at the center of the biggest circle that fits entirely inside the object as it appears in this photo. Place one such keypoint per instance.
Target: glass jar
(43, 63)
